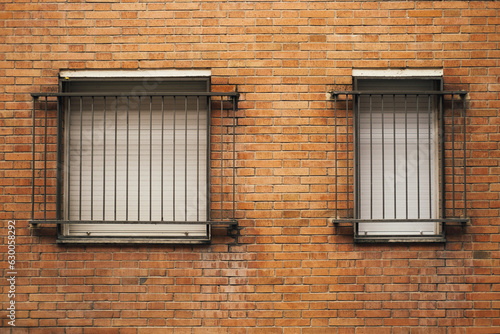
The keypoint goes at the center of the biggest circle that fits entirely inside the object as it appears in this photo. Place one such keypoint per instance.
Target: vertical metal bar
(81, 160)
(383, 158)
(59, 159)
(150, 156)
(465, 153)
(355, 150)
(430, 153)
(209, 158)
(45, 165)
(198, 158)
(185, 156)
(162, 152)
(418, 159)
(173, 159)
(442, 147)
(127, 166)
(395, 154)
(104, 164)
(139, 159)
(116, 154)
(453, 176)
(234, 157)
(371, 158)
(34, 161)
(406, 152)
(68, 214)
(92, 160)
(221, 158)
(336, 157)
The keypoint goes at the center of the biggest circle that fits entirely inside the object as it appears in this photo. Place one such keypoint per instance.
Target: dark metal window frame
(346, 188)
(48, 163)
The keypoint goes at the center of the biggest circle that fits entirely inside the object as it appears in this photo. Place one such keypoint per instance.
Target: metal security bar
(400, 157)
(157, 158)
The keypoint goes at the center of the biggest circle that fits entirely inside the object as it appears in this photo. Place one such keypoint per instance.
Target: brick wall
(290, 270)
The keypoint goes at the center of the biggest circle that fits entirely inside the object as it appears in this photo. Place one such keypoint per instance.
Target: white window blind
(398, 176)
(136, 159)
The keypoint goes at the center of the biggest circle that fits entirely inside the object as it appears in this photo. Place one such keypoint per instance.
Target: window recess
(400, 152)
(135, 166)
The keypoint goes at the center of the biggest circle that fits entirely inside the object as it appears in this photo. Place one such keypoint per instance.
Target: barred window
(401, 174)
(143, 159)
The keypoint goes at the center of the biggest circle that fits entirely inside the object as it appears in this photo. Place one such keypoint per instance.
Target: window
(136, 159)
(397, 190)
(397, 164)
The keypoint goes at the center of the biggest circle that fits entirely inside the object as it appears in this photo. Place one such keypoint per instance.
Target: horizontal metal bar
(231, 94)
(79, 222)
(438, 220)
(375, 92)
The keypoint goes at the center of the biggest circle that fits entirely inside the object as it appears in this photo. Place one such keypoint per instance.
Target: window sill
(153, 238)
(130, 240)
(395, 238)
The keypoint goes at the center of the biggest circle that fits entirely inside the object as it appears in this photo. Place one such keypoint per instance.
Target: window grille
(193, 198)
(365, 119)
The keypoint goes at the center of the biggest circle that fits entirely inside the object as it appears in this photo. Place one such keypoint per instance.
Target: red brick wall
(290, 270)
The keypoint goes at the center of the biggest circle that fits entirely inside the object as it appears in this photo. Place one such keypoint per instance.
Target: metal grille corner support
(452, 153)
(49, 195)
